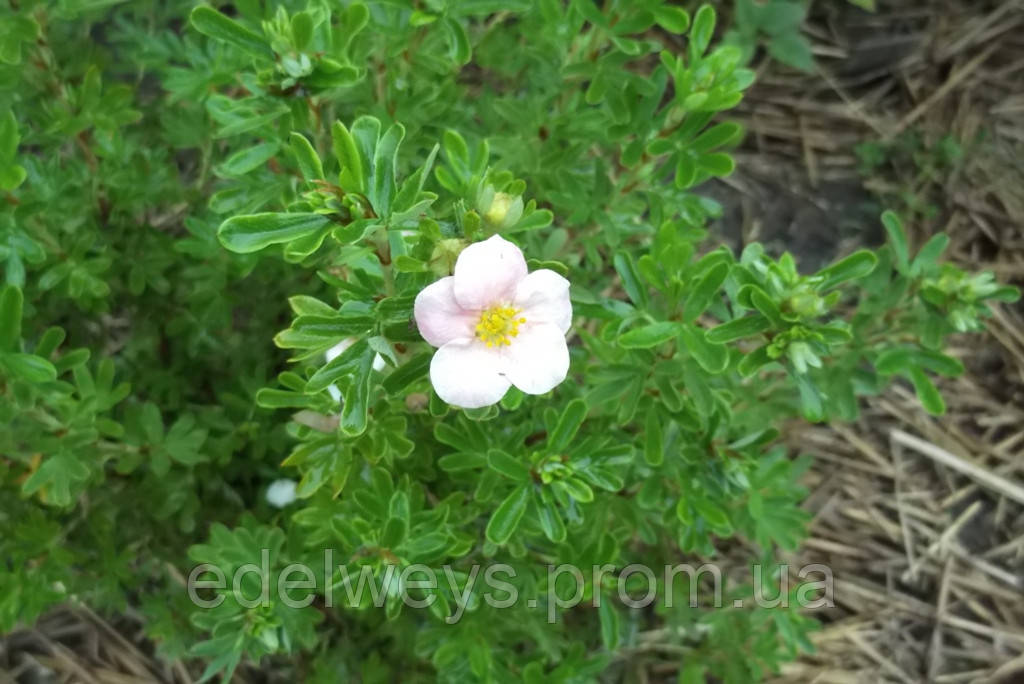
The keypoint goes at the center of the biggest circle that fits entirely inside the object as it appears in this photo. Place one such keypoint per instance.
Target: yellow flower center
(498, 325)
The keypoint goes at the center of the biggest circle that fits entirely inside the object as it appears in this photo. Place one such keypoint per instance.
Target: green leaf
(649, 335)
(9, 136)
(738, 328)
(792, 49)
(11, 176)
(938, 362)
(152, 423)
(212, 23)
(532, 220)
(393, 533)
(458, 40)
(701, 31)
(693, 673)
(344, 364)
(304, 305)
(29, 367)
(366, 134)
(307, 158)
(505, 520)
(703, 292)
(10, 318)
(654, 444)
(898, 240)
(302, 29)
(355, 231)
(609, 619)
(245, 234)
(750, 363)
(712, 357)
(58, 474)
(456, 152)
(244, 161)
(902, 360)
(355, 410)
(335, 327)
(48, 342)
(631, 283)
(409, 195)
(506, 465)
(550, 521)
(224, 653)
(408, 373)
(568, 425)
(926, 391)
(717, 164)
(686, 171)
(718, 136)
(893, 361)
(780, 16)
(811, 403)
(345, 150)
(766, 305)
(454, 463)
(1006, 293)
(297, 250)
(15, 29)
(929, 254)
(72, 359)
(385, 158)
(576, 488)
(683, 512)
(321, 332)
(672, 19)
(426, 546)
(714, 514)
(857, 265)
(396, 309)
(589, 11)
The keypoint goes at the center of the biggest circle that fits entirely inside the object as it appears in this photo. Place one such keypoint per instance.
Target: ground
(917, 108)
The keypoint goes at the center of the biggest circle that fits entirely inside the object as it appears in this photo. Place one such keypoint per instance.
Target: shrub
(176, 177)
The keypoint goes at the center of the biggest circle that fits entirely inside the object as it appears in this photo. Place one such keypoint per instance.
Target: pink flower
(495, 325)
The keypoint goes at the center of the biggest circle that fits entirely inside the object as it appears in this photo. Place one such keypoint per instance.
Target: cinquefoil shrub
(228, 238)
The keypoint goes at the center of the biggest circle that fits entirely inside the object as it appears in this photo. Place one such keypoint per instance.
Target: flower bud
(504, 211)
(806, 305)
(446, 252)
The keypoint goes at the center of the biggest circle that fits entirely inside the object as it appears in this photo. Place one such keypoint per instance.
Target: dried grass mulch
(921, 519)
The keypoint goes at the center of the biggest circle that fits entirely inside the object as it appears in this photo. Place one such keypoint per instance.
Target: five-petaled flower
(495, 325)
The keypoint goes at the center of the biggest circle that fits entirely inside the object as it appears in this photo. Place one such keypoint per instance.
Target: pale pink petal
(439, 317)
(467, 374)
(335, 351)
(537, 359)
(486, 273)
(543, 297)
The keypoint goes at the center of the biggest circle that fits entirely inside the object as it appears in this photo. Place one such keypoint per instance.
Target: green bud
(444, 256)
(504, 210)
(806, 305)
(802, 356)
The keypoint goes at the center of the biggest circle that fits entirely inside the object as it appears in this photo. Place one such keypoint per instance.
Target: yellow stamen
(498, 325)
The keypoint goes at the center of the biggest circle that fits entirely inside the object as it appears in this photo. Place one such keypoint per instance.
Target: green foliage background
(197, 203)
